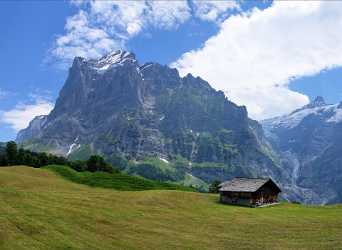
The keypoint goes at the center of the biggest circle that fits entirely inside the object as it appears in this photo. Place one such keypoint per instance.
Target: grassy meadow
(40, 209)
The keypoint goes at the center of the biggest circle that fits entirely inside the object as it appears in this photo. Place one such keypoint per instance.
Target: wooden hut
(251, 192)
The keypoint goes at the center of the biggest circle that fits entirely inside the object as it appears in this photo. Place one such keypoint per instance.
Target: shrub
(97, 163)
(79, 166)
(11, 151)
(214, 187)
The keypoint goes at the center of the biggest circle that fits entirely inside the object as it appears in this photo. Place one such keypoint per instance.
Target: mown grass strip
(118, 181)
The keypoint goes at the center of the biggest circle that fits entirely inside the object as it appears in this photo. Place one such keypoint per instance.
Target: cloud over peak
(20, 116)
(256, 54)
(103, 26)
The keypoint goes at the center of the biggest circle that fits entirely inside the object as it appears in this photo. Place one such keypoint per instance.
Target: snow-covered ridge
(145, 66)
(330, 113)
(117, 58)
(337, 117)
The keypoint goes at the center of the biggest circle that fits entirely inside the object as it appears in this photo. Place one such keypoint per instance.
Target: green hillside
(118, 181)
(39, 209)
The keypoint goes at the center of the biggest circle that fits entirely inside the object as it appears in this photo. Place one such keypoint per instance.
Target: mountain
(114, 106)
(309, 141)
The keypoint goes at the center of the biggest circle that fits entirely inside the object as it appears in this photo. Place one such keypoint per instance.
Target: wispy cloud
(20, 116)
(83, 39)
(214, 10)
(103, 26)
(255, 55)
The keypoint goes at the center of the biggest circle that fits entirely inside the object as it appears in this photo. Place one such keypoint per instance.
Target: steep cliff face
(115, 106)
(309, 142)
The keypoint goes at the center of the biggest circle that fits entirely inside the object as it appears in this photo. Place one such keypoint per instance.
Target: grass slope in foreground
(118, 181)
(41, 210)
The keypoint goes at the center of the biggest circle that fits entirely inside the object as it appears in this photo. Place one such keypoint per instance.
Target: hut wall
(266, 194)
(238, 198)
(264, 198)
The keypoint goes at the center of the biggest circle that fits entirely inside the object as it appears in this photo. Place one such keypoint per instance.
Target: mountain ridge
(308, 141)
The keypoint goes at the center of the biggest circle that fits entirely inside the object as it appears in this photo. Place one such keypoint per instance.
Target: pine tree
(12, 152)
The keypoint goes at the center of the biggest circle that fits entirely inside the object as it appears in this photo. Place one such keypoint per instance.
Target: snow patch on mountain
(145, 66)
(329, 113)
(73, 147)
(164, 160)
(114, 59)
(337, 117)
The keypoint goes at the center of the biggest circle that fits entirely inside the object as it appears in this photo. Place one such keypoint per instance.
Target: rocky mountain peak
(115, 58)
(318, 102)
(339, 105)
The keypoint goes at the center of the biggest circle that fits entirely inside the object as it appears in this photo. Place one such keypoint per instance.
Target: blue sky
(34, 58)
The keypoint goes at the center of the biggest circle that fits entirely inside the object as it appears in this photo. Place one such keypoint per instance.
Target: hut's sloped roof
(243, 184)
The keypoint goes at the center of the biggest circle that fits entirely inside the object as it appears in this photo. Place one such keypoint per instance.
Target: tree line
(11, 155)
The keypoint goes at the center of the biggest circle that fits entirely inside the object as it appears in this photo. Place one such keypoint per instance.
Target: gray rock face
(309, 142)
(35, 128)
(114, 105)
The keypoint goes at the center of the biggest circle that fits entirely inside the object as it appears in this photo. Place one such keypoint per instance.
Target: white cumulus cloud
(20, 116)
(103, 26)
(255, 55)
(81, 39)
(164, 14)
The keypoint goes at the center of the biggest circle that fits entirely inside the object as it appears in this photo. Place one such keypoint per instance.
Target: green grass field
(39, 209)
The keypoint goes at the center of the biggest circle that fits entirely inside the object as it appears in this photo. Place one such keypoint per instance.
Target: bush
(97, 163)
(11, 151)
(214, 187)
(3, 160)
(79, 166)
